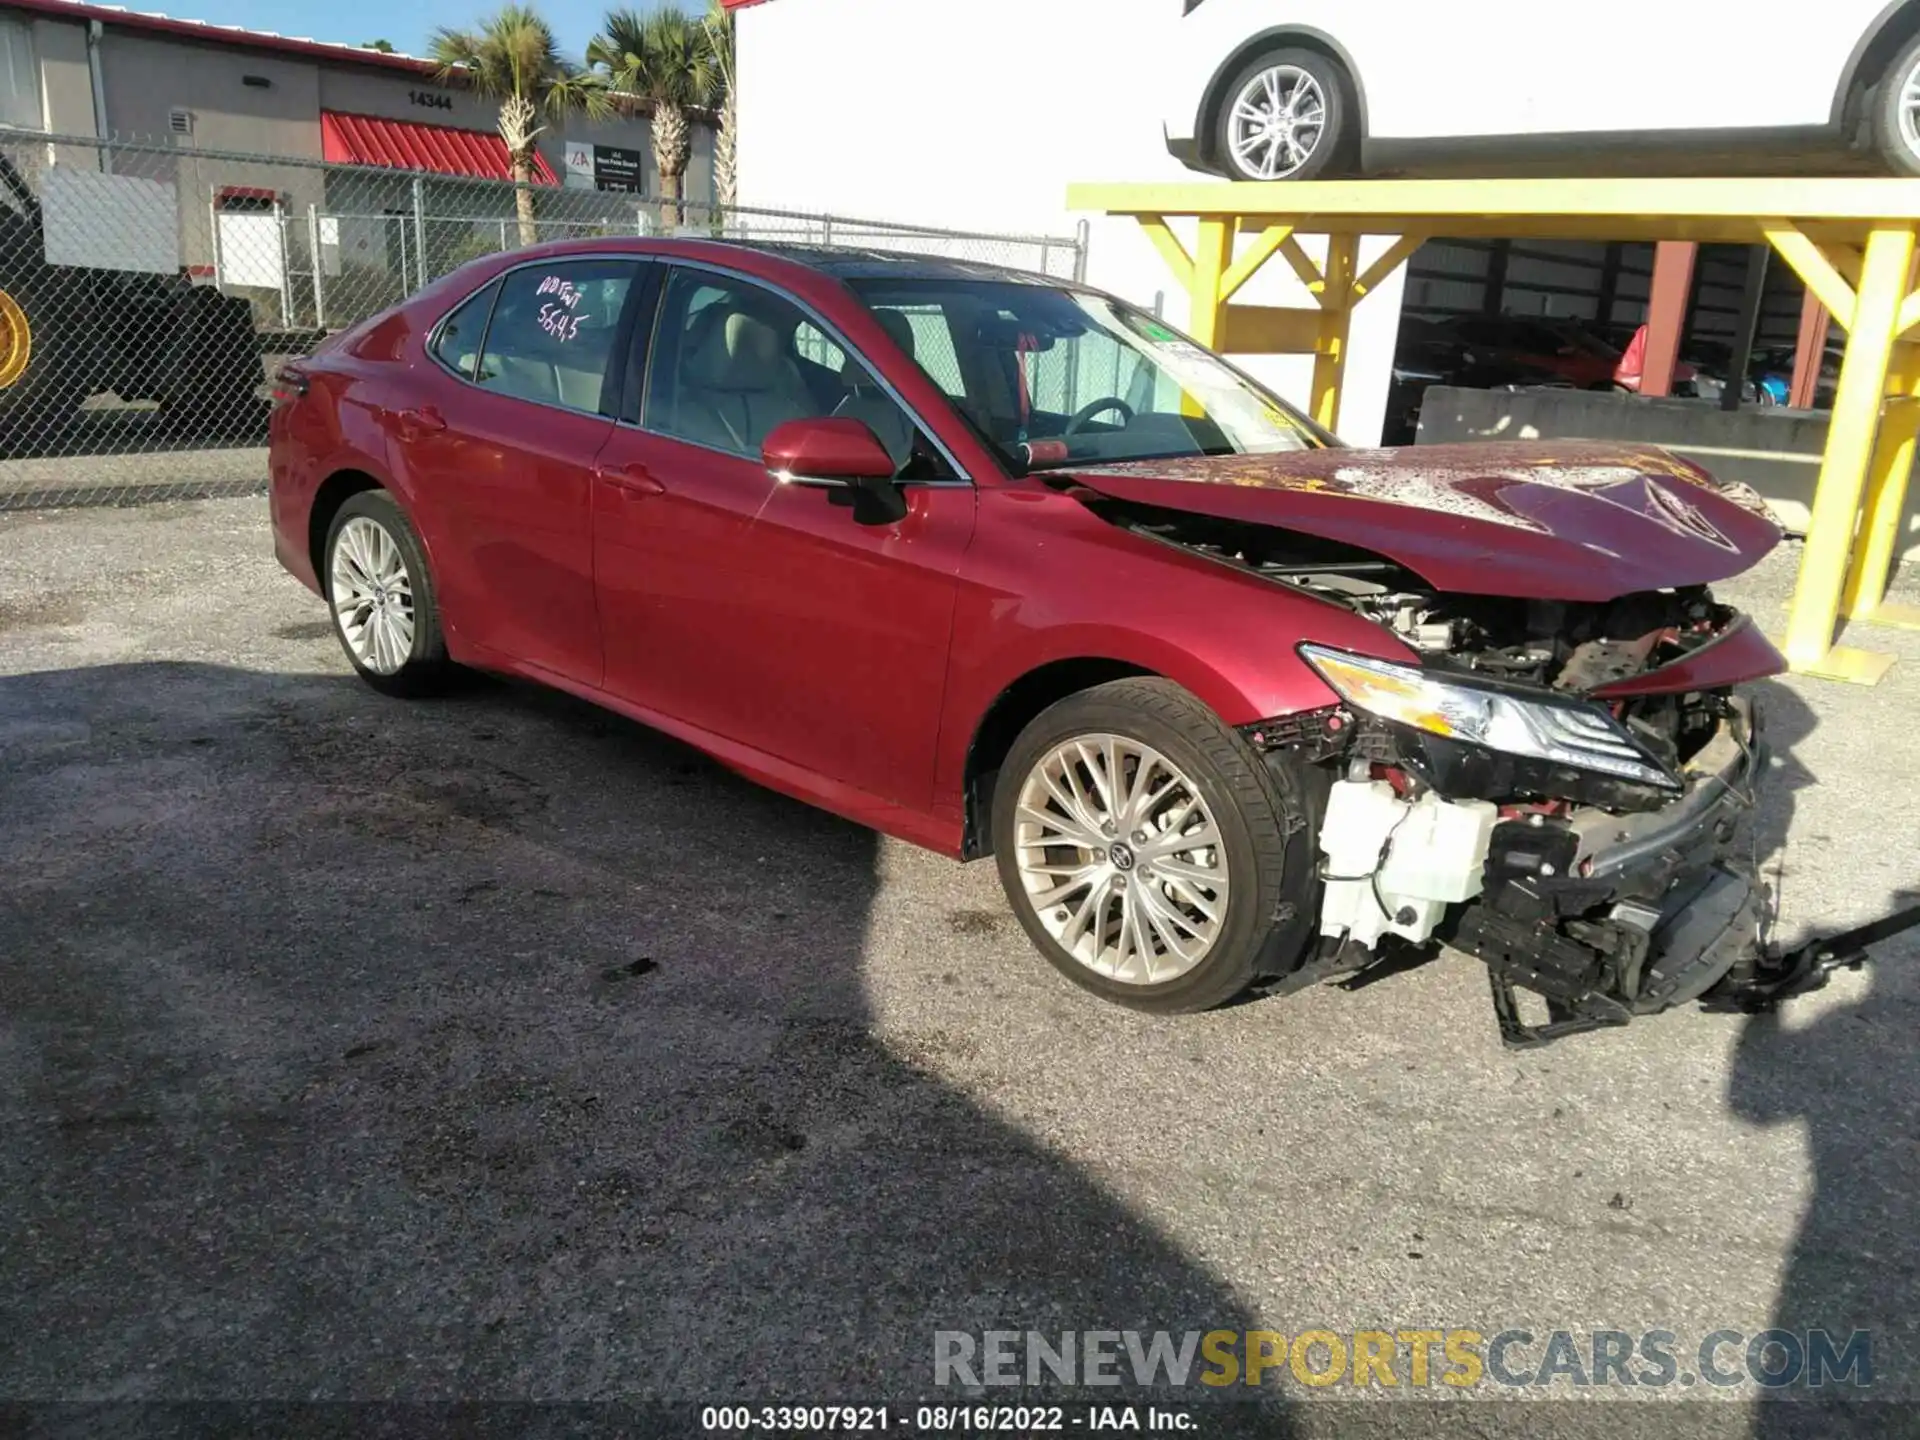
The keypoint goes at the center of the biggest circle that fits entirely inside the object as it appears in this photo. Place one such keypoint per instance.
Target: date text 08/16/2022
(945, 1419)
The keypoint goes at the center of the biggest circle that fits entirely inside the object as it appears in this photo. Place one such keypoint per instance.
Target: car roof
(843, 263)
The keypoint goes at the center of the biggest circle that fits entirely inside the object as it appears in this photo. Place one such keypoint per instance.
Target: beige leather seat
(737, 384)
(533, 378)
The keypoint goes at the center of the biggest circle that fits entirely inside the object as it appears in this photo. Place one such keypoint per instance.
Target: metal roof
(235, 35)
(409, 145)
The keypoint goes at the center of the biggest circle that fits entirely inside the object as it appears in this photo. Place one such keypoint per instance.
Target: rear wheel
(1284, 116)
(1150, 853)
(382, 597)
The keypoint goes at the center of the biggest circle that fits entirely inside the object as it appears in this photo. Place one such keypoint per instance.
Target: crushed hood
(1552, 520)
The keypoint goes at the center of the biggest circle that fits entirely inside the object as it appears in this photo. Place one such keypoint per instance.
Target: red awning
(406, 145)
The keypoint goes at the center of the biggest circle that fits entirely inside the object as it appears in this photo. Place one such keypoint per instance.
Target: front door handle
(635, 480)
(424, 421)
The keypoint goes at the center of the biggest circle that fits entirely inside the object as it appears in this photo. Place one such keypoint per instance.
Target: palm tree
(512, 57)
(720, 33)
(666, 59)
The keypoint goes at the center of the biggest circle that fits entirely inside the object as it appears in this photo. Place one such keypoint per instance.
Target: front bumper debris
(1607, 907)
(1612, 916)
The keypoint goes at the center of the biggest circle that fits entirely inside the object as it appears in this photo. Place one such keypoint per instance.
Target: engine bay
(1566, 647)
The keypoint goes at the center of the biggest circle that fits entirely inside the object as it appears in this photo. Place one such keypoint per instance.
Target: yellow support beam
(1388, 261)
(1851, 437)
(1270, 330)
(1865, 595)
(1625, 208)
(1846, 259)
(1811, 264)
(1261, 251)
(1303, 266)
(1336, 318)
(1169, 246)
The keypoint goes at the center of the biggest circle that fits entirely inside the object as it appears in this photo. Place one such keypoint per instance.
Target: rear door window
(552, 333)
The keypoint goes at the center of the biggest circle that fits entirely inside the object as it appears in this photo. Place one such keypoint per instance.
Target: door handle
(634, 480)
(424, 421)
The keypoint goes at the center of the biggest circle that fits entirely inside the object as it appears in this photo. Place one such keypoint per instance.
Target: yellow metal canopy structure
(1853, 241)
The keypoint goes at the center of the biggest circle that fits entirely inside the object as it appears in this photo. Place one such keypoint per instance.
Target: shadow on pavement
(1850, 1075)
(487, 1049)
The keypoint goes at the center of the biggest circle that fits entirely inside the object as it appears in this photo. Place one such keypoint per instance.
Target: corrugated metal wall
(1603, 284)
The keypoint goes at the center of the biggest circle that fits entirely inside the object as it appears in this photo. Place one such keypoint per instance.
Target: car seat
(736, 385)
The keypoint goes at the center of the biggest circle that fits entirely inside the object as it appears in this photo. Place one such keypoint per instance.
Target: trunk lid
(1549, 520)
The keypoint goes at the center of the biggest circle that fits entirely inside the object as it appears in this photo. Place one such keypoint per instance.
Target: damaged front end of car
(1546, 791)
(1557, 786)
(1558, 790)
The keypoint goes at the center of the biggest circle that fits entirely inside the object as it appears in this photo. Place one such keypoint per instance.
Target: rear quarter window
(457, 346)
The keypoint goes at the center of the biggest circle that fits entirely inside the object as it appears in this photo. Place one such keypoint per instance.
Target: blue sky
(352, 22)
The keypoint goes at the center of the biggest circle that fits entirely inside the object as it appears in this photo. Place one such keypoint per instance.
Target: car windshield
(1056, 377)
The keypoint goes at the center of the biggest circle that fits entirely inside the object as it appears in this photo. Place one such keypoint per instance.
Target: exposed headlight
(1566, 732)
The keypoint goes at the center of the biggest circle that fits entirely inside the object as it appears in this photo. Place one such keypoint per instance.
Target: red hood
(1550, 520)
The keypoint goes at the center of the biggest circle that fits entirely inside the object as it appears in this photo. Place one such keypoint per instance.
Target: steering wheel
(1087, 412)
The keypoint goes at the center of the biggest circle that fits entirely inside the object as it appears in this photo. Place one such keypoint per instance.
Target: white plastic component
(1435, 851)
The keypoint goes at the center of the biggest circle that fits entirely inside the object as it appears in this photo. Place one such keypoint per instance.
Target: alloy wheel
(372, 595)
(1909, 112)
(1120, 858)
(1277, 122)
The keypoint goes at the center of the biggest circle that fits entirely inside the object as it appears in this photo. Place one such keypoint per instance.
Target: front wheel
(1150, 853)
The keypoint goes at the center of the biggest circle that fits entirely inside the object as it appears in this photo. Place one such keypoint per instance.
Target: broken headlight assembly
(1539, 726)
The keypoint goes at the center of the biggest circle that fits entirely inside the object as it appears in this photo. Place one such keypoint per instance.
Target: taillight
(288, 384)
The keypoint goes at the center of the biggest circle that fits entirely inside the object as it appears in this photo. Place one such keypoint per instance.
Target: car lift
(1853, 241)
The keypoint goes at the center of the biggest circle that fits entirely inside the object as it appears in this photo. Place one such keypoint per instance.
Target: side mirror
(838, 453)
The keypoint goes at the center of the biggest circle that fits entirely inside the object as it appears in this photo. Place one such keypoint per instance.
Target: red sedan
(1004, 566)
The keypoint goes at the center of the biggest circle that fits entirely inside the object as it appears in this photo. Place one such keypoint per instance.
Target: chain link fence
(148, 291)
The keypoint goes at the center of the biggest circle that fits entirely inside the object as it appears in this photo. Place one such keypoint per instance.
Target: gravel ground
(131, 469)
(495, 1048)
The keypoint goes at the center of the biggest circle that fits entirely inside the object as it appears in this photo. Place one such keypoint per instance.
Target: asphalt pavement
(494, 1048)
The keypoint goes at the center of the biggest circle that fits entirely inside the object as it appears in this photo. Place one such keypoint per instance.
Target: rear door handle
(424, 421)
(635, 480)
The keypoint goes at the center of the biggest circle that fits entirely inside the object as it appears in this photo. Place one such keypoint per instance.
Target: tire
(371, 640)
(42, 374)
(1329, 148)
(1264, 815)
(1896, 130)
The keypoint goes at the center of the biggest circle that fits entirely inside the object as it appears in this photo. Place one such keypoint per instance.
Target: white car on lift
(1298, 89)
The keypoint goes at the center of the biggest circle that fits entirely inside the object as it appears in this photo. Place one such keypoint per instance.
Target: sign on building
(579, 165)
(617, 168)
(604, 167)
